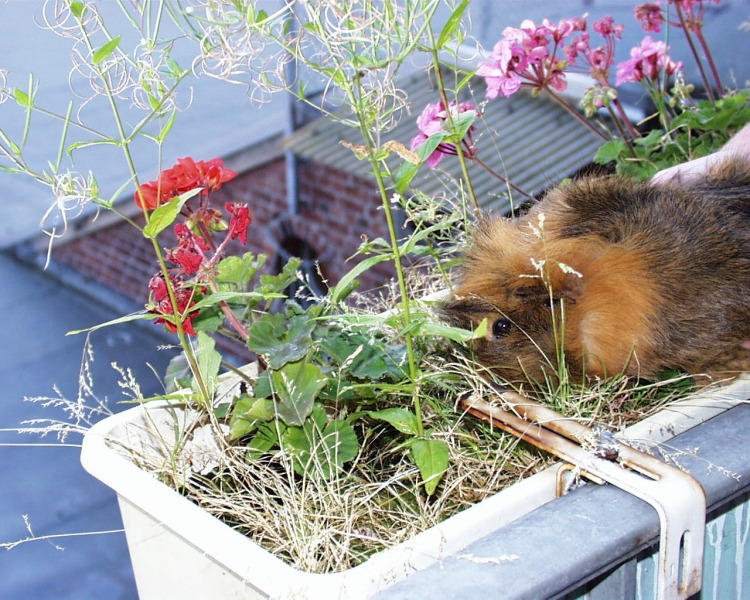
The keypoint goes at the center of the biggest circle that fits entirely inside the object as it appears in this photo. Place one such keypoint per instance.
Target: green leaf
(125, 319)
(297, 385)
(407, 171)
(344, 285)
(163, 216)
(22, 98)
(167, 127)
(457, 334)
(609, 151)
(271, 284)
(279, 339)
(266, 438)
(209, 362)
(86, 143)
(451, 24)
(106, 50)
(248, 413)
(320, 449)
(402, 419)
(77, 9)
(239, 270)
(432, 458)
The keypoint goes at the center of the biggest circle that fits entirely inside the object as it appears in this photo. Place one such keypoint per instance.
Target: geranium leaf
(279, 339)
(297, 385)
(248, 413)
(432, 458)
(609, 151)
(239, 270)
(320, 449)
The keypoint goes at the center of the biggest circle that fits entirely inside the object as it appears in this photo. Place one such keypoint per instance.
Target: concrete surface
(48, 483)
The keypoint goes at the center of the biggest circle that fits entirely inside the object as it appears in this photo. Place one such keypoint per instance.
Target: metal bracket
(677, 497)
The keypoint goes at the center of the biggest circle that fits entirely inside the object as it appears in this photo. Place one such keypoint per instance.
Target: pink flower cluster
(651, 16)
(432, 120)
(526, 55)
(646, 61)
(597, 60)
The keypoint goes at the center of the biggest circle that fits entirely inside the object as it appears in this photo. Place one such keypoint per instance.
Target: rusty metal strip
(677, 497)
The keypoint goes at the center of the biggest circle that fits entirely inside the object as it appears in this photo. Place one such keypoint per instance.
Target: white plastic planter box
(180, 551)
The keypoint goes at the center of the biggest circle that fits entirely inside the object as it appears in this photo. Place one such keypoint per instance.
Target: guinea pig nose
(501, 328)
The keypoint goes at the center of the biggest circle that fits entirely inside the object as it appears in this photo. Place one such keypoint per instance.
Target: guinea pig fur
(638, 278)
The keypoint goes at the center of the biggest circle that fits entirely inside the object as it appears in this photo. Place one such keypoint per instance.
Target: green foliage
(697, 130)
(163, 216)
(281, 338)
(432, 458)
(320, 447)
(296, 386)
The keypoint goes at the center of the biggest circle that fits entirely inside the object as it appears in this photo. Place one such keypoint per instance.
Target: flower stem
(634, 133)
(573, 112)
(620, 128)
(451, 126)
(690, 42)
(395, 249)
(710, 59)
(125, 143)
(497, 175)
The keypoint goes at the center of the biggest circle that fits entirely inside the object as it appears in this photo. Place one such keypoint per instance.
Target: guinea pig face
(520, 341)
(501, 282)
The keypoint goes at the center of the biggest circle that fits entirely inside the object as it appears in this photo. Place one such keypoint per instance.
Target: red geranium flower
(189, 251)
(184, 299)
(239, 221)
(186, 175)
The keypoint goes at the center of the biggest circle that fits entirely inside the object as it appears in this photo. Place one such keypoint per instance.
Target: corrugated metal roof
(532, 140)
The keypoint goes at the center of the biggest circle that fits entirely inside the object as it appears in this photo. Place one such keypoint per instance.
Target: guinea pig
(617, 276)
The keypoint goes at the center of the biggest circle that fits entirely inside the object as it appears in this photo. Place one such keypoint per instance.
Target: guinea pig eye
(501, 328)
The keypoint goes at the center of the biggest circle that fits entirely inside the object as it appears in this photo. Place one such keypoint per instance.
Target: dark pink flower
(606, 27)
(432, 120)
(650, 16)
(646, 61)
(239, 221)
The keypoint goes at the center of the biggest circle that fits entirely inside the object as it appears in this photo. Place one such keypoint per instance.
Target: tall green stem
(449, 118)
(124, 142)
(406, 309)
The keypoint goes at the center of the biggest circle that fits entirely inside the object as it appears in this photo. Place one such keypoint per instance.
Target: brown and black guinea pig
(644, 277)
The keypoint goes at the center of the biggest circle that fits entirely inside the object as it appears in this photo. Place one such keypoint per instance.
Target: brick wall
(336, 210)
